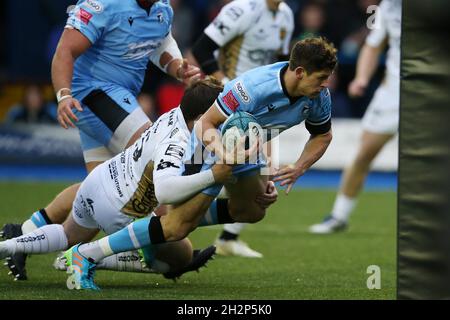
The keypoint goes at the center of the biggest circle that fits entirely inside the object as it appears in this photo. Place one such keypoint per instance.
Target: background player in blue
(280, 96)
(97, 71)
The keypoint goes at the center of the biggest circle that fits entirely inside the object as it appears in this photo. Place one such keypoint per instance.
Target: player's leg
(380, 124)
(352, 183)
(228, 243)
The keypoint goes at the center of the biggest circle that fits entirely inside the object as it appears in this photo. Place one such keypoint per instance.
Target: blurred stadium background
(38, 158)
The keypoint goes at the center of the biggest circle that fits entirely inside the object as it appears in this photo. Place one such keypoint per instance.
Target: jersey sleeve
(238, 95)
(233, 20)
(90, 17)
(168, 159)
(379, 32)
(319, 119)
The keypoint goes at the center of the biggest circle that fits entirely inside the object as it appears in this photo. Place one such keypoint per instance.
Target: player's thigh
(93, 209)
(371, 145)
(243, 193)
(113, 117)
(76, 233)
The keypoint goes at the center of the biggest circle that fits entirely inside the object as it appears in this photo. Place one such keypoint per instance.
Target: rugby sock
(38, 219)
(228, 236)
(343, 207)
(129, 261)
(217, 213)
(231, 231)
(48, 238)
(140, 233)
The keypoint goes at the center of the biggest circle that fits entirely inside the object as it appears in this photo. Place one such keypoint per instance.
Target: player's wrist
(63, 94)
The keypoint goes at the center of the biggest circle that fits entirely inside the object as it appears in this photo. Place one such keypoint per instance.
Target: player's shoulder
(285, 9)
(258, 83)
(239, 8)
(287, 13)
(324, 99)
(264, 74)
(98, 6)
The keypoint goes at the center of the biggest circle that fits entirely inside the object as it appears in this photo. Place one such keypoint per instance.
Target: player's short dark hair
(313, 54)
(199, 97)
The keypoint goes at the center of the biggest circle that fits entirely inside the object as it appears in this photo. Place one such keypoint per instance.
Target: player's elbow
(163, 194)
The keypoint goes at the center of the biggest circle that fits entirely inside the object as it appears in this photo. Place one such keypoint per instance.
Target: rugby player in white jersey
(119, 194)
(246, 34)
(97, 72)
(380, 122)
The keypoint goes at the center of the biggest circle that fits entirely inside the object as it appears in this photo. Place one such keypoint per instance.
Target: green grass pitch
(296, 265)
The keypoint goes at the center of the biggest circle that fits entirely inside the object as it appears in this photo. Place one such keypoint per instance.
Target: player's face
(312, 84)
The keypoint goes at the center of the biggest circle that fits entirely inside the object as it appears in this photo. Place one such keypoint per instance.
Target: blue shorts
(110, 117)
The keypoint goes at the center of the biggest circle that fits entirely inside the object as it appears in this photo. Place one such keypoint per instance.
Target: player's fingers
(285, 182)
(283, 177)
(77, 105)
(71, 115)
(61, 122)
(191, 72)
(289, 188)
(68, 121)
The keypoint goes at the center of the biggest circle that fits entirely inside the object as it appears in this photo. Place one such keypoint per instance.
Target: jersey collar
(145, 5)
(292, 100)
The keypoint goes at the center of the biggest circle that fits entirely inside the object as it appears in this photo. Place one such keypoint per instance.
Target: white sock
(48, 238)
(125, 261)
(96, 250)
(234, 228)
(28, 226)
(343, 207)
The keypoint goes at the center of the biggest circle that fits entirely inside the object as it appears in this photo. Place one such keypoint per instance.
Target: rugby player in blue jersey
(97, 72)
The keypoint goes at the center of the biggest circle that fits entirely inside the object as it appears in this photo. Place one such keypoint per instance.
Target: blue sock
(134, 236)
(210, 218)
(40, 218)
(217, 214)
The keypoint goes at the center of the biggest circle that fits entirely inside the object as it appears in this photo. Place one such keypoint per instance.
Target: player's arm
(169, 59)
(314, 149)
(172, 187)
(71, 45)
(365, 68)
(203, 51)
(233, 20)
(369, 55)
(206, 130)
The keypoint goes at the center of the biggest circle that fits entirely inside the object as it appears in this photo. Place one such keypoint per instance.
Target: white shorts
(92, 208)
(382, 114)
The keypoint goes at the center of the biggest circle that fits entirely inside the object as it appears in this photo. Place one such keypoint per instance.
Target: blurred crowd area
(30, 29)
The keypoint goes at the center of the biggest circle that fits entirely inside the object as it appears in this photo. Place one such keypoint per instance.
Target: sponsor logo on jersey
(174, 132)
(130, 21)
(270, 107)
(94, 5)
(141, 50)
(234, 13)
(240, 88)
(84, 16)
(170, 123)
(175, 151)
(160, 17)
(230, 101)
(306, 110)
(221, 26)
(166, 164)
(114, 175)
